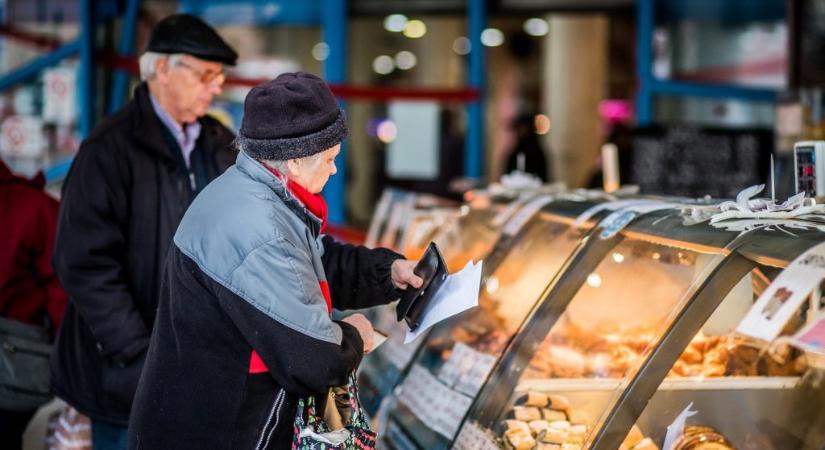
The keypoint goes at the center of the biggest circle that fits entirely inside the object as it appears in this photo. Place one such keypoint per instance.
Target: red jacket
(29, 289)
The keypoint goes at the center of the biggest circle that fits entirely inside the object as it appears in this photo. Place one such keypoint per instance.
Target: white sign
(440, 408)
(473, 437)
(785, 295)
(413, 153)
(59, 105)
(22, 137)
(467, 369)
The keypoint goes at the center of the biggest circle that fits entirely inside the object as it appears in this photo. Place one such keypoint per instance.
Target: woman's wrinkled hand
(403, 276)
(364, 327)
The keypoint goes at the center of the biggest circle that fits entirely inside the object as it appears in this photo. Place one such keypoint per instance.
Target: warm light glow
(542, 123)
(395, 23)
(415, 29)
(386, 131)
(320, 51)
(405, 60)
(618, 258)
(492, 285)
(492, 37)
(464, 210)
(461, 45)
(594, 280)
(536, 26)
(656, 255)
(383, 64)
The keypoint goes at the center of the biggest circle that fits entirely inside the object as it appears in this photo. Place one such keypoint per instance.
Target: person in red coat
(29, 289)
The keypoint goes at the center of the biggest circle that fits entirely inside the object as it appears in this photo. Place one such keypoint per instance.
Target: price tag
(472, 437)
(606, 206)
(437, 406)
(472, 380)
(785, 295)
(812, 336)
(398, 354)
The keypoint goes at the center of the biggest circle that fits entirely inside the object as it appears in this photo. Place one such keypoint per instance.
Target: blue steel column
(127, 41)
(334, 33)
(645, 10)
(474, 144)
(86, 86)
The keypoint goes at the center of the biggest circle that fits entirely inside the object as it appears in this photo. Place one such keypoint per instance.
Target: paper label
(812, 336)
(785, 295)
(466, 370)
(398, 353)
(618, 220)
(437, 406)
(472, 437)
(517, 222)
(606, 206)
(501, 218)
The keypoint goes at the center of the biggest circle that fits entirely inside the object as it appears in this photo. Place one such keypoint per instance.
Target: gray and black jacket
(243, 281)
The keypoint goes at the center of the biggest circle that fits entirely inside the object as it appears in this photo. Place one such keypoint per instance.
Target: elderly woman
(243, 329)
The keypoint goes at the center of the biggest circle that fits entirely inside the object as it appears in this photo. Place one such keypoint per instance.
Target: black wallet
(433, 270)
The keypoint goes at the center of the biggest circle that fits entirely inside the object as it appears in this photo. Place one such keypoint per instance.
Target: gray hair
(148, 63)
(281, 164)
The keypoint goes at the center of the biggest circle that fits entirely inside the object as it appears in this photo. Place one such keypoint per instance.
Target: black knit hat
(292, 116)
(185, 33)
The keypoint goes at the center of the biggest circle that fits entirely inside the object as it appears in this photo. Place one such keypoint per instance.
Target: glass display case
(641, 331)
(457, 356)
(474, 235)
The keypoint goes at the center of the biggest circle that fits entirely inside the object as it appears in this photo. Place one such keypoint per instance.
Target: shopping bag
(68, 430)
(312, 432)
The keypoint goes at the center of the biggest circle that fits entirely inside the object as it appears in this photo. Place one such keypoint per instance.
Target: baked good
(578, 417)
(553, 436)
(536, 399)
(519, 439)
(551, 415)
(537, 426)
(634, 436)
(646, 444)
(526, 413)
(558, 402)
(516, 425)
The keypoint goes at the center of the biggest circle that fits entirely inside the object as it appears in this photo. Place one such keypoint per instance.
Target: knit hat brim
(295, 147)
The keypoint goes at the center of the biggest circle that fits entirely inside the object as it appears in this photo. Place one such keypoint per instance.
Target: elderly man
(127, 190)
(244, 327)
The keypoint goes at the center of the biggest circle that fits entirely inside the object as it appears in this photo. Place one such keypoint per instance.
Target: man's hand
(403, 276)
(364, 328)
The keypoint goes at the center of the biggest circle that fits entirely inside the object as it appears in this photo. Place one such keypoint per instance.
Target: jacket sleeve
(301, 364)
(55, 296)
(359, 277)
(89, 256)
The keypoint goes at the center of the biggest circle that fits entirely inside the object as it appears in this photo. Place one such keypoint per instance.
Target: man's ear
(162, 68)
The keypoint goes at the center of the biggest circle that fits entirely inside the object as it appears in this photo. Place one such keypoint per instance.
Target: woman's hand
(364, 328)
(403, 276)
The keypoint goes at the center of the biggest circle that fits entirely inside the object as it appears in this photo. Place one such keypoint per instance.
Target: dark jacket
(29, 290)
(245, 280)
(125, 194)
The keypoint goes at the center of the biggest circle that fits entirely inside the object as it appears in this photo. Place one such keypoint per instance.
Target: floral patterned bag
(311, 431)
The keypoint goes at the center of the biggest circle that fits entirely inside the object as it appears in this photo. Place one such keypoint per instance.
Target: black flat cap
(185, 33)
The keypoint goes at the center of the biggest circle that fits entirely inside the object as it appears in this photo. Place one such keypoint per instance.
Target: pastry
(578, 417)
(634, 436)
(526, 413)
(547, 446)
(537, 426)
(567, 446)
(578, 430)
(536, 399)
(551, 415)
(558, 402)
(553, 436)
(520, 440)
(517, 425)
(560, 425)
(646, 444)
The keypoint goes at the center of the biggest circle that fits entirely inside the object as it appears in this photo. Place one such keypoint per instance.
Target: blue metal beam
(645, 14)
(334, 33)
(86, 86)
(126, 49)
(36, 66)
(474, 144)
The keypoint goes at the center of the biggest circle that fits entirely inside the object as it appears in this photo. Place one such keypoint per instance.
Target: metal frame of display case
(740, 255)
(565, 209)
(747, 251)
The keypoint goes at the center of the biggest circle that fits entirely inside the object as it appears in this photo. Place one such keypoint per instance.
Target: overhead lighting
(383, 64)
(461, 45)
(320, 51)
(536, 26)
(618, 258)
(492, 285)
(492, 37)
(395, 23)
(415, 29)
(386, 131)
(594, 280)
(542, 124)
(405, 60)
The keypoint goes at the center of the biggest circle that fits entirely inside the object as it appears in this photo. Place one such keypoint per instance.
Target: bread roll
(537, 426)
(536, 399)
(526, 413)
(552, 415)
(634, 436)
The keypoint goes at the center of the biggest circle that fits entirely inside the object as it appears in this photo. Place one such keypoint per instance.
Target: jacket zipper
(274, 413)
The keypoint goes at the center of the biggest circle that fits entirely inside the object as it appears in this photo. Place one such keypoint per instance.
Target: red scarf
(315, 203)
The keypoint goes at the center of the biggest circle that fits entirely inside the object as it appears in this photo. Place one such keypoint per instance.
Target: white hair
(148, 63)
(281, 165)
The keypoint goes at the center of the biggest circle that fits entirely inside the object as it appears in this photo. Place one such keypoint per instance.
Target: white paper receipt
(458, 294)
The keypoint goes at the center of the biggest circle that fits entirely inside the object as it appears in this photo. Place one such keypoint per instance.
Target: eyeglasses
(205, 76)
